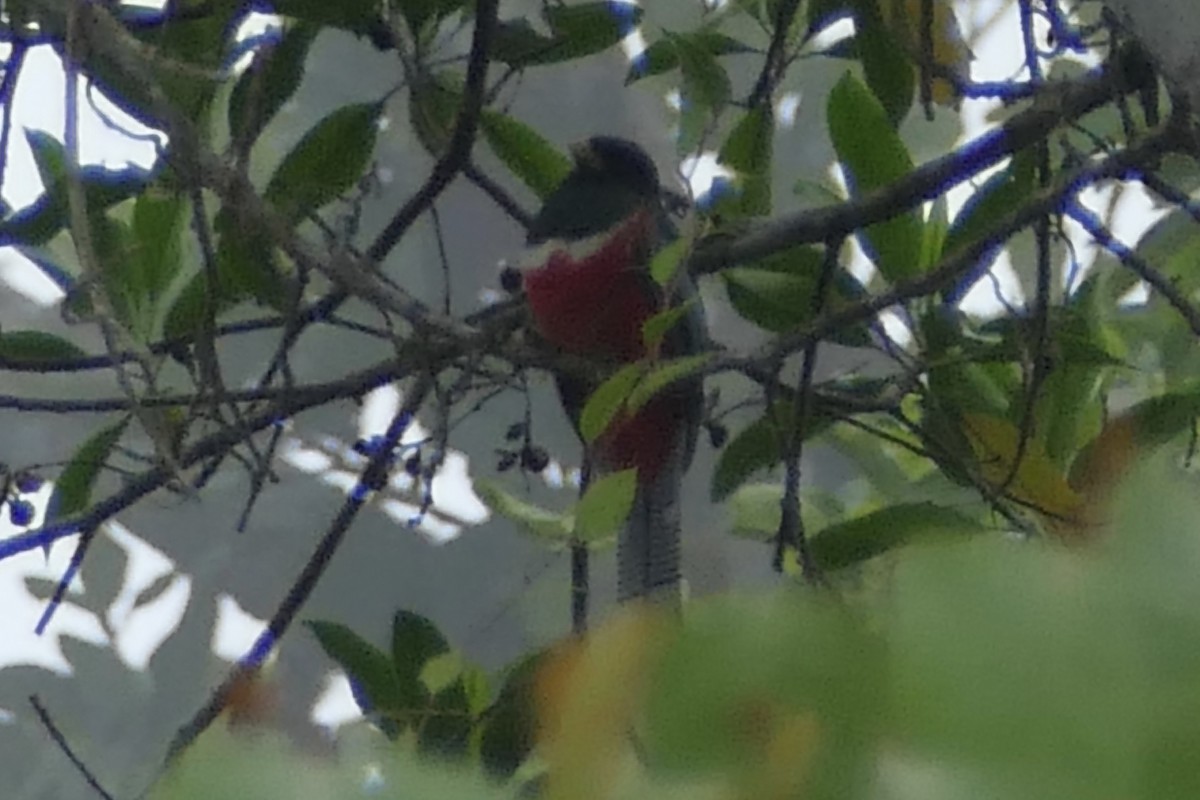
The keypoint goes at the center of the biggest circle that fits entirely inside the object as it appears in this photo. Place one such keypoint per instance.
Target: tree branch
(1056, 105)
(374, 478)
(458, 153)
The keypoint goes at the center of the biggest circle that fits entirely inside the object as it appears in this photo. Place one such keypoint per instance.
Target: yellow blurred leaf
(1098, 469)
(1037, 482)
(589, 694)
(950, 51)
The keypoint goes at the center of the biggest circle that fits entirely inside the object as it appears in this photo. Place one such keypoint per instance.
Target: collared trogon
(590, 291)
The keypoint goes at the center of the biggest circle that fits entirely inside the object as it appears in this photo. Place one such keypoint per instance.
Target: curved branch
(1047, 201)
(374, 477)
(458, 153)
(1058, 104)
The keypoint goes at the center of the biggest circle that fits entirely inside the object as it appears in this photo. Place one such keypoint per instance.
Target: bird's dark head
(612, 159)
(612, 178)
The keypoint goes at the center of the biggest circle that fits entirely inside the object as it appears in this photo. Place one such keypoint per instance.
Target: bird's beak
(584, 155)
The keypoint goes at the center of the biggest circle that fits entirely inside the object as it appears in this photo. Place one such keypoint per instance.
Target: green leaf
(576, 31)
(605, 506)
(655, 329)
(873, 156)
(200, 41)
(937, 227)
(999, 195)
(747, 151)
(608, 399)
(778, 293)
(421, 13)
(774, 300)
(532, 519)
(663, 375)
(114, 249)
(1070, 400)
(41, 221)
(1157, 420)
(662, 56)
(330, 159)
(441, 671)
(524, 151)
(705, 82)
(811, 194)
(49, 156)
(446, 730)
(665, 263)
(415, 641)
(263, 89)
(1171, 246)
(587, 28)
(246, 268)
(380, 690)
(156, 259)
(185, 318)
(516, 43)
(36, 347)
(851, 542)
(887, 68)
(433, 107)
(757, 512)
(357, 16)
(510, 723)
(757, 447)
(73, 488)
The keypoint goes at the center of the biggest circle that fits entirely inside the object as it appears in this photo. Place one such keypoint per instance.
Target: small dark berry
(27, 482)
(510, 280)
(508, 460)
(412, 465)
(534, 458)
(181, 352)
(718, 434)
(20, 512)
(515, 431)
(368, 447)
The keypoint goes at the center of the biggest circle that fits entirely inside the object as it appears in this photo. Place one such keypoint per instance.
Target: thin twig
(1039, 364)
(374, 477)
(791, 524)
(1131, 260)
(459, 150)
(1054, 106)
(776, 58)
(443, 258)
(953, 265)
(59, 739)
(498, 195)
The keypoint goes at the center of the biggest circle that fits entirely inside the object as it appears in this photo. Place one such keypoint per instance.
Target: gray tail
(648, 551)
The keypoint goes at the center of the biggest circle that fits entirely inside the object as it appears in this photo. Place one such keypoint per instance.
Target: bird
(589, 290)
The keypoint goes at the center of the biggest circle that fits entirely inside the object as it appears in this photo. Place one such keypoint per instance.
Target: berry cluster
(531, 457)
(370, 447)
(16, 486)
